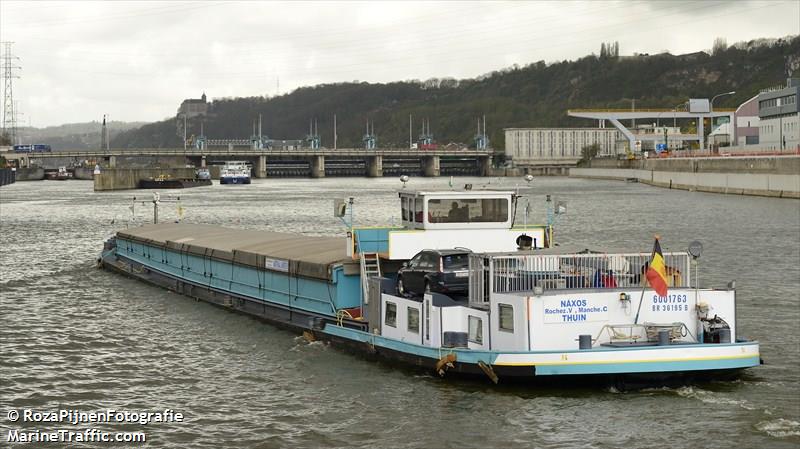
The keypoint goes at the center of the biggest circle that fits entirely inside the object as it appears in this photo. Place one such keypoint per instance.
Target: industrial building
(745, 134)
(549, 146)
(779, 117)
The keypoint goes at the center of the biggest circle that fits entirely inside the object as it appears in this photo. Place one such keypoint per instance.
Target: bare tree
(720, 45)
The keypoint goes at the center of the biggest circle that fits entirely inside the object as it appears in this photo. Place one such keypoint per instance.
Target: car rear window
(456, 261)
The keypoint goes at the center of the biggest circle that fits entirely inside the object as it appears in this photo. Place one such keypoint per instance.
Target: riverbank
(775, 176)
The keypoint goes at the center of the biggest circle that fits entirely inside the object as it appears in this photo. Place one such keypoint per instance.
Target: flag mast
(646, 282)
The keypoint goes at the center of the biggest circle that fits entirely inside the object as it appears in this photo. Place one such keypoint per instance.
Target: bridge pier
(318, 166)
(112, 161)
(261, 167)
(484, 165)
(203, 162)
(375, 166)
(431, 165)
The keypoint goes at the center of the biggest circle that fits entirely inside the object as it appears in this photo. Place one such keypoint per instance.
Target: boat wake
(710, 397)
(780, 428)
(303, 345)
(29, 278)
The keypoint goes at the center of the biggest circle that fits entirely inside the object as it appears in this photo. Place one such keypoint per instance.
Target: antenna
(184, 129)
(410, 141)
(103, 134)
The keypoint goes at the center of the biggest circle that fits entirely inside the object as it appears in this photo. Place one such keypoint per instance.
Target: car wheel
(401, 290)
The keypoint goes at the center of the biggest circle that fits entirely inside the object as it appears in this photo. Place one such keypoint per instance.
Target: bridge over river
(301, 161)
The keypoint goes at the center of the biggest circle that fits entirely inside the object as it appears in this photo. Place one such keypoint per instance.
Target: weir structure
(316, 163)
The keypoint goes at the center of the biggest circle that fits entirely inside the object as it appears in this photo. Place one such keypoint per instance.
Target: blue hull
(235, 180)
(353, 335)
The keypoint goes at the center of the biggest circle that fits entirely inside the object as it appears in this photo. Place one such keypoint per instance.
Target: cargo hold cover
(296, 254)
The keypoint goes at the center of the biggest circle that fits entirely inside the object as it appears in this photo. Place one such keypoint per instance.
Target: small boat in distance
(168, 182)
(61, 175)
(203, 173)
(235, 172)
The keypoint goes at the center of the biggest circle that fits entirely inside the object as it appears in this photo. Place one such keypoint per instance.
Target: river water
(73, 336)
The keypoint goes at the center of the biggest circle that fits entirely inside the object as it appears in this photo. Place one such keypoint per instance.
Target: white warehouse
(547, 146)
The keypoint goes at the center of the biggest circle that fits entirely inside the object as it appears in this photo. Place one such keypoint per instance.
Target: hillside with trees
(536, 95)
(70, 136)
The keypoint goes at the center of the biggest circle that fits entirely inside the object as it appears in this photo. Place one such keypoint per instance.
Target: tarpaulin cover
(296, 254)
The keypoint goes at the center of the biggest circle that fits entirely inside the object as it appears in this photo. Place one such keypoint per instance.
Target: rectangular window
(468, 210)
(418, 210)
(391, 314)
(475, 330)
(427, 320)
(406, 213)
(413, 320)
(455, 261)
(505, 317)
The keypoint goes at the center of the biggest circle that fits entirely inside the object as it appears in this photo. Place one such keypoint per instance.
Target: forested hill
(535, 95)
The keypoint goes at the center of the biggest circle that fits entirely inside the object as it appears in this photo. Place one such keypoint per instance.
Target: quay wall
(760, 184)
(84, 173)
(30, 174)
(123, 178)
(779, 165)
(7, 176)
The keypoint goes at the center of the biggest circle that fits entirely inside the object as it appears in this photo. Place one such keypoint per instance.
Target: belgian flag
(656, 271)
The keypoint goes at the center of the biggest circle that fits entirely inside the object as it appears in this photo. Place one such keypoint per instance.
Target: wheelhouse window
(417, 210)
(475, 330)
(390, 319)
(413, 320)
(406, 209)
(468, 210)
(506, 317)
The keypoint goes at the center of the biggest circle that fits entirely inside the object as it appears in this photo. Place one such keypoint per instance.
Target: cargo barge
(532, 313)
(173, 183)
(235, 172)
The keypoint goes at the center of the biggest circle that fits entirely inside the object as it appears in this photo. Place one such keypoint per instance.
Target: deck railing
(505, 273)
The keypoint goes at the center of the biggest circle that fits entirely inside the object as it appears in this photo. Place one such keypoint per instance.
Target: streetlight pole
(711, 110)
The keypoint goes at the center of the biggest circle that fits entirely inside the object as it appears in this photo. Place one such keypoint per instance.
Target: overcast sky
(136, 61)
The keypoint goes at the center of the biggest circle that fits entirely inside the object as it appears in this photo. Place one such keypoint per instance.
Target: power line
(9, 116)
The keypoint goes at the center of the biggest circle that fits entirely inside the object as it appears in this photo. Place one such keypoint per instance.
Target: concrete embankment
(7, 176)
(778, 165)
(30, 174)
(776, 177)
(83, 173)
(121, 178)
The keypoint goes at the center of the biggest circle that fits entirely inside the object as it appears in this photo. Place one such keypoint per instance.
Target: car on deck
(435, 270)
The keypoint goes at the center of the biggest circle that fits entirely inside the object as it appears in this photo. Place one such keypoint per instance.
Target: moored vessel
(62, 174)
(168, 182)
(235, 172)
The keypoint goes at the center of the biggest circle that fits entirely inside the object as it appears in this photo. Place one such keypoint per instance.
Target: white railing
(504, 273)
